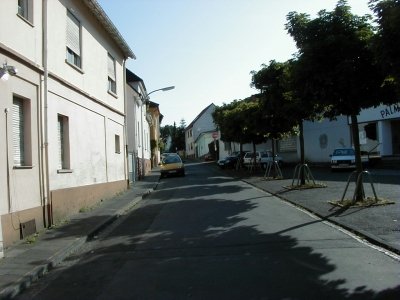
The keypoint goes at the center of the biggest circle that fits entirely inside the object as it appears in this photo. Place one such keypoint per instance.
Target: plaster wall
(95, 46)
(19, 34)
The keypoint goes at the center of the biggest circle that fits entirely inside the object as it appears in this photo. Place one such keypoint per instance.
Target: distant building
(202, 124)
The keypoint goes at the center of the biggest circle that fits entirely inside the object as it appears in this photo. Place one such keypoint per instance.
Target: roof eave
(109, 26)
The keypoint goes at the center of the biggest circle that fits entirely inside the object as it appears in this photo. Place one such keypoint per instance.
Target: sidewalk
(380, 225)
(25, 263)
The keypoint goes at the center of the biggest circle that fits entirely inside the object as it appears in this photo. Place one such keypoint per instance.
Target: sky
(206, 48)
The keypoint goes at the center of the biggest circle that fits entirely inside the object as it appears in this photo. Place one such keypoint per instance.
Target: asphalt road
(208, 236)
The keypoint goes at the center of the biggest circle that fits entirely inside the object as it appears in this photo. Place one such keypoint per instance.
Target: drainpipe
(126, 159)
(45, 148)
(142, 144)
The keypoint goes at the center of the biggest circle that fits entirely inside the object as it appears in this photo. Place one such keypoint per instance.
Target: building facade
(138, 127)
(379, 133)
(155, 136)
(201, 124)
(63, 112)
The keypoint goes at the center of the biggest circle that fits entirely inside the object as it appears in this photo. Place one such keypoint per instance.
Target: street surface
(208, 236)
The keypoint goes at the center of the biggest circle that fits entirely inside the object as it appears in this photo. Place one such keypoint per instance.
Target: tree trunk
(302, 157)
(356, 143)
(254, 155)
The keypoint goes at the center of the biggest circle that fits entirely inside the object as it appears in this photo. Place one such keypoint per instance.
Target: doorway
(396, 137)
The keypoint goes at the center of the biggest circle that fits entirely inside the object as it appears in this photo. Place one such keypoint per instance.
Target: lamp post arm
(163, 89)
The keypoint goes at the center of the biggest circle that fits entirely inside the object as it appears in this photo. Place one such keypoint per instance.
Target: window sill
(113, 94)
(74, 67)
(22, 167)
(25, 20)
(64, 171)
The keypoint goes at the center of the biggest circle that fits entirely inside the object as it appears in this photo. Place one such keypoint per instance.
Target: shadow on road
(202, 249)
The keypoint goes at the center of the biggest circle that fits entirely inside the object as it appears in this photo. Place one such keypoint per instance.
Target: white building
(203, 123)
(63, 114)
(379, 132)
(138, 127)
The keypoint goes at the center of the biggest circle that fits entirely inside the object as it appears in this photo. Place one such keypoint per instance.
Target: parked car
(250, 156)
(345, 158)
(262, 158)
(172, 165)
(228, 162)
(267, 157)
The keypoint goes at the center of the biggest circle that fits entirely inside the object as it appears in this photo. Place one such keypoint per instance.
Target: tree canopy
(342, 71)
(387, 44)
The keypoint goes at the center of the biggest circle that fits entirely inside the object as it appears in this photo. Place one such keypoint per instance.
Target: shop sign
(389, 111)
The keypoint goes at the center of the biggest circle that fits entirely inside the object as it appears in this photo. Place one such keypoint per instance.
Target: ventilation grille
(28, 228)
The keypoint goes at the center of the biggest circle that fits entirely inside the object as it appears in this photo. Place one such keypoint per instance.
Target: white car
(345, 158)
(249, 157)
(267, 157)
(262, 158)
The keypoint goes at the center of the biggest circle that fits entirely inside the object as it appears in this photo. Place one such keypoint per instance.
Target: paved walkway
(378, 224)
(24, 263)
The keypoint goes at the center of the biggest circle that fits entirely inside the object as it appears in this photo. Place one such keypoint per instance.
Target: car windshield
(171, 159)
(343, 152)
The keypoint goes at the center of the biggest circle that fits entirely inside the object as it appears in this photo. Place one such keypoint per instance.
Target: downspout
(46, 199)
(142, 143)
(126, 159)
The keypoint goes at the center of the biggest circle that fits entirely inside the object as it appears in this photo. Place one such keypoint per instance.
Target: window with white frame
(117, 144)
(112, 86)
(63, 142)
(21, 136)
(73, 40)
(25, 9)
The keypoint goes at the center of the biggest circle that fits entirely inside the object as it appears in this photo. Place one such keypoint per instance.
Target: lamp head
(168, 88)
(6, 71)
(4, 75)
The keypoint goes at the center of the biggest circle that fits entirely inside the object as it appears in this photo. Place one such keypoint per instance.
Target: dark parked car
(228, 162)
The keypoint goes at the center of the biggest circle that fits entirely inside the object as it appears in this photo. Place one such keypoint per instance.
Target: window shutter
(73, 34)
(60, 142)
(111, 67)
(18, 131)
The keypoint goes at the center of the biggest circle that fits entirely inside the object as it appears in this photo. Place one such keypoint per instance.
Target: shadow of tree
(201, 248)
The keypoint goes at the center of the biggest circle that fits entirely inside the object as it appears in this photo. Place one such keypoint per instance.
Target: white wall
(321, 138)
(204, 123)
(92, 130)
(95, 47)
(24, 183)
(23, 37)
(202, 144)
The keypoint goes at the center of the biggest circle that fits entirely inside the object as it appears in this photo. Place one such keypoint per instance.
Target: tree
(240, 121)
(342, 72)
(387, 39)
(276, 100)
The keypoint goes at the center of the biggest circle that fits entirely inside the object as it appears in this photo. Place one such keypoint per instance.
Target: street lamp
(146, 101)
(6, 71)
(163, 89)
